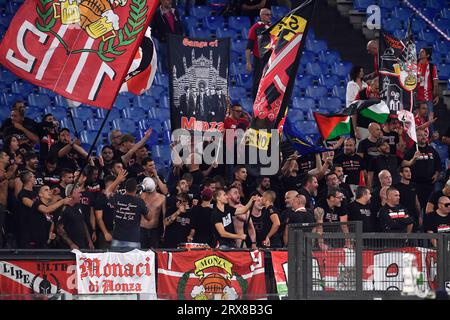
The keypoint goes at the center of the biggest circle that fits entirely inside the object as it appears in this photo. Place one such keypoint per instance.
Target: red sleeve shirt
(425, 78)
(253, 34)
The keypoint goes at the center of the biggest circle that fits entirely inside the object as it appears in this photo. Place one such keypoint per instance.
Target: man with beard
(384, 161)
(136, 170)
(68, 152)
(352, 163)
(181, 187)
(106, 160)
(150, 171)
(309, 191)
(48, 134)
(425, 164)
(127, 148)
(408, 196)
(359, 210)
(104, 215)
(177, 224)
(71, 224)
(242, 223)
(50, 176)
(339, 171)
(393, 216)
(66, 179)
(31, 164)
(296, 212)
(156, 205)
(262, 185)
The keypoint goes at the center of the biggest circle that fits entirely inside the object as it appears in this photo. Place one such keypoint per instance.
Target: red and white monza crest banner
(115, 272)
(81, 49)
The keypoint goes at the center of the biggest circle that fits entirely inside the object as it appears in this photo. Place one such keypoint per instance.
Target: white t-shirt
(352, 90)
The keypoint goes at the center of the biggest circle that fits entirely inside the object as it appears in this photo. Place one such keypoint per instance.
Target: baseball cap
(207, 194)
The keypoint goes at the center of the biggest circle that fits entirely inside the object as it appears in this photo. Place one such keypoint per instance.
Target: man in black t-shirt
(425, 167)
(446, 140)
(201, 229)
(66, 179)
(390, 134)
(31, 164)
(434, 197)
(104, 216)
(68, 152)
(272, 221)
(297, 213)
(384, 161)
(177, 224)
(24, 128)
(309, 191)
(351, 162)
(71, 226)
(393, 216)
(408, 196)
(48, 135)
(359, 210)
(50, 176)
(439, 221)
(128, 209)
(222, 220)
(367, 148)
(25, 200)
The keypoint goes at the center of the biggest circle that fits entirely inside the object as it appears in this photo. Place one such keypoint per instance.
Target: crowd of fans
(62, 198)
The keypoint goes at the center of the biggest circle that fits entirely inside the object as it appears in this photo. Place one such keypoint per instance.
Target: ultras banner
(211, 275)
(398, 71)
(275, 88)
(198, 82)
(280, 270)
(82, 50)
(114, 272)
(37, 279)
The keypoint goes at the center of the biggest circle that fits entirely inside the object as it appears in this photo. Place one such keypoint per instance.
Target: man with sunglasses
(177, 225)
(252, 48)
(439, 220)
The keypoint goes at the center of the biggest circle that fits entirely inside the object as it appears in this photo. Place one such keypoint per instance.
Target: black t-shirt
(136, 171)
(275, 240)
(8, 128)
(102, 203)
(352, 165)
(178, 230)
(226, 219)
(360, 212)
(47, 138)
(51, 179)
(392, 138)
(40, 225)
(300, 216)
(310, 201)
(369, 149)
(306, 163)
(201, 223)
(394, 219)
(86, 203)
(426, 165)
(73, 221)
(408, 194)
(118, 156)
(291, 183)
(437, 223)
(384, 162)
(69, 161)
(127, 217)
(434, 198)
(331, 214)
(447, 134)
(258, 224)
(24, 215)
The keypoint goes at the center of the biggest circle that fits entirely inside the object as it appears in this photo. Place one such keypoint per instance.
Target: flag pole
(91, 149)
(70, 115)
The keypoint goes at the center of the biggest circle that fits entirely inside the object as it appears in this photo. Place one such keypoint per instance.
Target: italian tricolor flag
(332, 126)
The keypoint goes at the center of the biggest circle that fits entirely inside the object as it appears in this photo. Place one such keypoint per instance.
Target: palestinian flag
(376, 110)
(332, 126)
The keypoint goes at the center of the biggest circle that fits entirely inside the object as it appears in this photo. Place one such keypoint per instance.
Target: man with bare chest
(242, 223)
(156, 204)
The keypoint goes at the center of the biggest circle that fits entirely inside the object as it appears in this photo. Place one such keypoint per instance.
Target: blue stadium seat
(444, 71)
(152, 114)
(200, 33)
(306, 127)
(161, 79)
(7, 76)
(236, 92)
(217, 3)
(83, 113)
(420, 44)
(329, 80)
(247, 104)
(122, 102)
(445, 13)
(144, 102)
(303, 104)
(361, 5)
(35, 113)
(35, 99)
(166, 125)
(244, 33)
(5, 19)
(296, 115)
(88, 136)
(12, 7)
(67, 123)
(238, 45)
(417, 3)
(331, 104)
(59, 101)
(155, 91)
(441, 46)
(279, 11)
(342, 69)
(339, 91)
(238, 68)
(402, 13)
(144, 125)
(114, 114)
(391, 24)
(245, 80)
(163, 114)
(23, 88)
(213, 22)
(10, 98)
(316, 45)
(307, 56)
(4, 112)
(190, 22)
(313, 69)
(436, 4)
(430, 13)
(200, 11)
(239, 23)
(164, 103)
(93, 124)
(388, 4)
(429, 36)
(134, 113)
(329, 56)
(302, 81)
(316, 92)
(418, 24)
(442, 23)
(124, 125)
(4, 88)
(226, 33)
(57, 112)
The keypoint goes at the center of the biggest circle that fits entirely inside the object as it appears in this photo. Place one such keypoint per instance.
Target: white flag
(407, 119)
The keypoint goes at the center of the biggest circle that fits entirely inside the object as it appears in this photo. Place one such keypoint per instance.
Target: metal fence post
(441, 261)
(359, 258)
(292, 263)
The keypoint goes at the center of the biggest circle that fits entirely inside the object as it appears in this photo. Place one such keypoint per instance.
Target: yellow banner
(258, 138)
(213, 261)
(291, 25)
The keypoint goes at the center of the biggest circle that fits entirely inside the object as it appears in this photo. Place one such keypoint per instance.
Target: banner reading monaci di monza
(198, 82)
(131, 272)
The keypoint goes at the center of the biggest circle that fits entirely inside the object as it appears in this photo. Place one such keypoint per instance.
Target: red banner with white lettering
(27, 280)
(82, 50)
(211, 275)
(280, 270)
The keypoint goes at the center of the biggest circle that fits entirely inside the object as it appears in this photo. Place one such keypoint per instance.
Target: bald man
(367, 148)
(297, 213)
(372, 49)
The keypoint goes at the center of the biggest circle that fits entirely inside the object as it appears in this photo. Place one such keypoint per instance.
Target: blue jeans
(118, 244)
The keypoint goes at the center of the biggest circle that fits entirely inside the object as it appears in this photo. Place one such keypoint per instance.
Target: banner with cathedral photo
(198, 82)
(398, 71)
